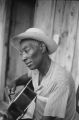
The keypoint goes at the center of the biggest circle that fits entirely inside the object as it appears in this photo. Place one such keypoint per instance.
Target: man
(54, 86)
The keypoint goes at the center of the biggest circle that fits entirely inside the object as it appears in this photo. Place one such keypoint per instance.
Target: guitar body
(20, 104)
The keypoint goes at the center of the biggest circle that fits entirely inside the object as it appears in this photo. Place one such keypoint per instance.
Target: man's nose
(24, 55)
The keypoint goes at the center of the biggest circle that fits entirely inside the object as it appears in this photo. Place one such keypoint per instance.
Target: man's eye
(27, 50)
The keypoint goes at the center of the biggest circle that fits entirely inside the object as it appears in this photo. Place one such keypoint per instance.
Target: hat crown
(35, 31)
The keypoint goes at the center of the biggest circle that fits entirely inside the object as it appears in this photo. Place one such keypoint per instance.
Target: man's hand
(21, 81)
(11, 86)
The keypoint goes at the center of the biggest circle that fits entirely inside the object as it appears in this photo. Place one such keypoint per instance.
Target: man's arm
(23, 80)
(51, 118)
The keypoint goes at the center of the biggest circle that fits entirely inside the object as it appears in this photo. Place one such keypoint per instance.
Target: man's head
(34, 44)
(32, 52)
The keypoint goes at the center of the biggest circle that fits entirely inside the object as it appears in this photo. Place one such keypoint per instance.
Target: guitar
(20, 104)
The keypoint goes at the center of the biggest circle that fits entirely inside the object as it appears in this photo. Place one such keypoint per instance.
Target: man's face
(31, 53)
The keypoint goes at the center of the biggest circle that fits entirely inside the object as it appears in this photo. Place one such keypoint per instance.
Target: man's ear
(43, 47)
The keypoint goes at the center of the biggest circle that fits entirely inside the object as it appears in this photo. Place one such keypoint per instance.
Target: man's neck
(45, 65)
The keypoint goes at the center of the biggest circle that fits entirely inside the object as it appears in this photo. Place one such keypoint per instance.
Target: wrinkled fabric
(55, 95)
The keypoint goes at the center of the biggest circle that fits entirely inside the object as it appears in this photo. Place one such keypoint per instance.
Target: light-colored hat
(36, 34)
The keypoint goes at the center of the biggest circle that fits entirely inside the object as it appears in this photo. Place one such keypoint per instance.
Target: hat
(35, 34)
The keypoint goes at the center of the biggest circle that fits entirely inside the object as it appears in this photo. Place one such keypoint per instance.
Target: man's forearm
(51, 118)
(23, 80)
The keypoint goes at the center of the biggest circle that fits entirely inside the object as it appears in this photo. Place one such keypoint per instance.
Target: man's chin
(31, 67)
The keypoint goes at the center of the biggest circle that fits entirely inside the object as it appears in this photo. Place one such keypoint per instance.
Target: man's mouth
(28, 63)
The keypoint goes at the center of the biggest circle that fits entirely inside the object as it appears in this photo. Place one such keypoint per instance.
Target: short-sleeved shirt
(55, 95)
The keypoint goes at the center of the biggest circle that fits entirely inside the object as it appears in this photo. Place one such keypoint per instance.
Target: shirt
(55, 95)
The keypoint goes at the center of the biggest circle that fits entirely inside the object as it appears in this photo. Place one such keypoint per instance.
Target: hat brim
(36, 34)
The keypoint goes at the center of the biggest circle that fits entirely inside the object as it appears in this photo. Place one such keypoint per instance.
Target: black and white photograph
(39, 59)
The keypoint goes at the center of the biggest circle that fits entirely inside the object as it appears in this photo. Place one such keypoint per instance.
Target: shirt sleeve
(57, 102)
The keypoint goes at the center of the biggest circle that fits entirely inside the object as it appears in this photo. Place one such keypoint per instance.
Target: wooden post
(2, 47)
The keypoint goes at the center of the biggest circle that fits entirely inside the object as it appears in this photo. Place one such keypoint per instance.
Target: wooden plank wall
(61, 17)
